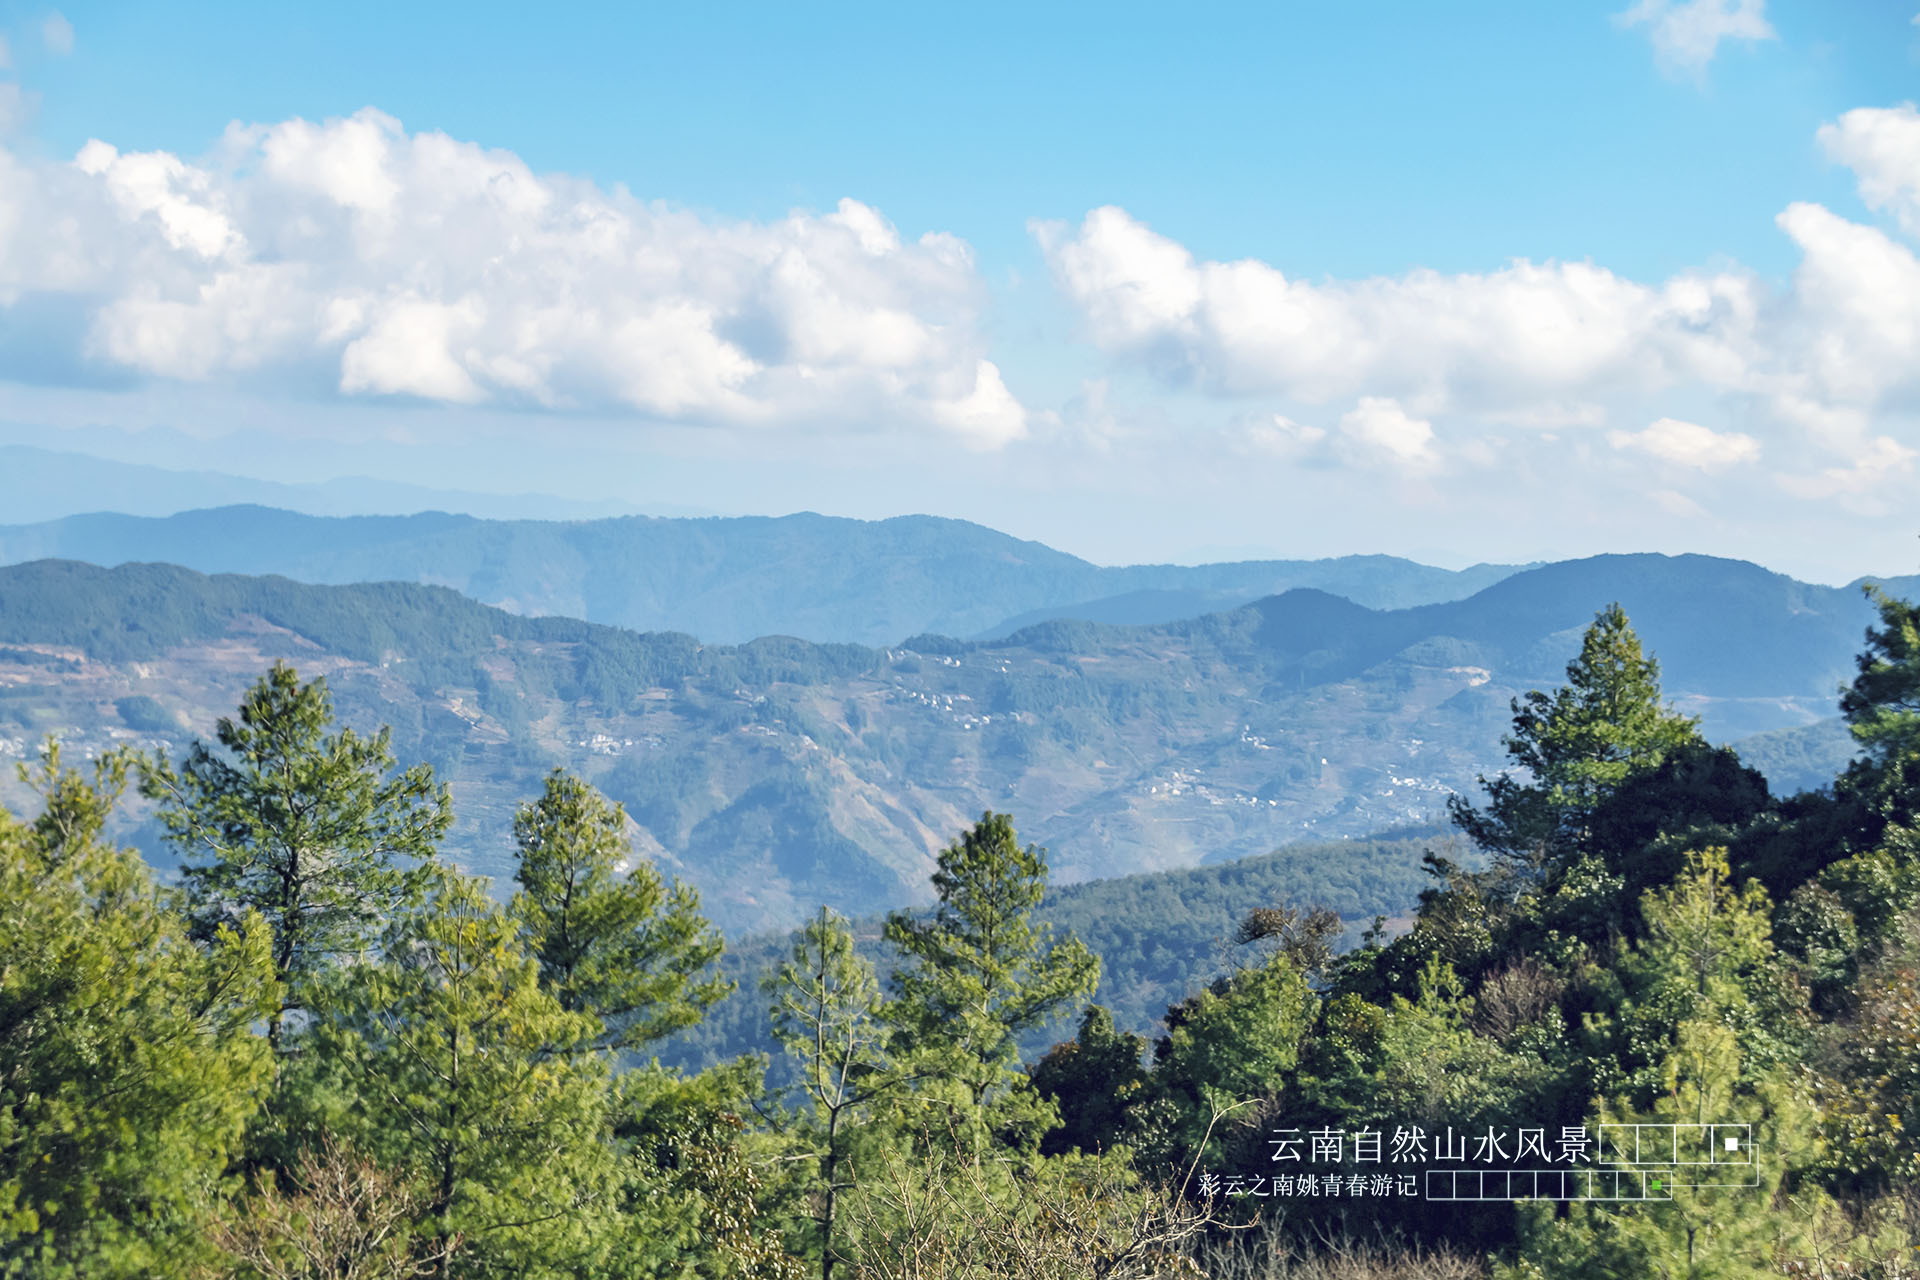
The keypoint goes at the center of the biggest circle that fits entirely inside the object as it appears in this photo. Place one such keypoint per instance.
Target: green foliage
(1708, 955)
(633, 952)
(1158, 935)
(981, 970)
(1883, 704)
(459, 1100)
(1882, 707)
(827, 1014)
(450, 1061)
(299, 824)
(1234, 1043)
(1093, 1080)
(128, 1068)
(1577, 745)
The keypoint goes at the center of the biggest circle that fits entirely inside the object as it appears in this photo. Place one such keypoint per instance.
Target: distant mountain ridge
(38, 485)
(779, 774)
(726, 579)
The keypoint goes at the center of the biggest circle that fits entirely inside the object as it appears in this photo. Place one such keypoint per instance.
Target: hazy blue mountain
(724, 579)
(45, 484)
(1378, 581)
(1800, 759)
(781, 773)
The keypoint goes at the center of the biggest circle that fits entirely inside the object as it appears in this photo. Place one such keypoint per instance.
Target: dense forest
(1156, 933)
(325, 1052)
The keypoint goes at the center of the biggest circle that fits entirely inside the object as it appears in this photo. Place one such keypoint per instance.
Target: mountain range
(38, 484)
(780, 773)
(728, 579)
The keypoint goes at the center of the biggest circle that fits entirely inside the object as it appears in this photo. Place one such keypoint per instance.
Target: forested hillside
(1660, 1022)
(1156, 933)
(727, 580)
(779, 773)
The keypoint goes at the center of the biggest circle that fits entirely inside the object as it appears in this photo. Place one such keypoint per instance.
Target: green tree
(693, 1183)
(826, 1012)
(1576, 746)
(1870, 1074)
(1708, 954)
(1237, 1041)
(632, 951)
(128, 1070)
(1703, 1016)
(1882, 707)
(1094, 1079)
(305, 826)
(980, 969)
(448, 1060)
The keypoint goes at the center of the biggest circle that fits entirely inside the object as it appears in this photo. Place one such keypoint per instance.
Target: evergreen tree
(449, 1060)
(1882, 707)
(310, 828)
(1236, 1042)
(1699, 979)
(632, 951)
(1575, 746)
(1094, 1079)
(128, 1069)
(1708, 954)
(826, 1013)
(980, 970)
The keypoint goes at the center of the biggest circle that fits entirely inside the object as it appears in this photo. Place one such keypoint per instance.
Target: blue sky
(278, 243)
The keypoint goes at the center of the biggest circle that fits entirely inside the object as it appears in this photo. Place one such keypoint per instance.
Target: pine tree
(310, 828)
(980, 970)
(128, 1069)
(826, 1012)
(1882, 707)
(451, 1063)
(1575, 747)
(633, 951)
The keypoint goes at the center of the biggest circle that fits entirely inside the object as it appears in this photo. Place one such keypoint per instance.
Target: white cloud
(1688, 444)
(1878, 462)
(1827, 362)
(1528, 340)
(1847, 335)
(1687, 35)
(178, 196)
(57, 33)
(1379, 429)
(1882, 146)
(16, 106)
(418, 265)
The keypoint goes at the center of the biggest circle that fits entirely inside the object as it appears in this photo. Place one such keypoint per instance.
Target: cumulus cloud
(1882, 147)
(1377, 434)
(1828, 360)
(57, 33)
(1686, 35)
(1379, 429)
(1527, 340)
(1688, 444)
(417, 265)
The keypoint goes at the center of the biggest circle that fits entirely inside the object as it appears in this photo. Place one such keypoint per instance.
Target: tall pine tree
(310, 826)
